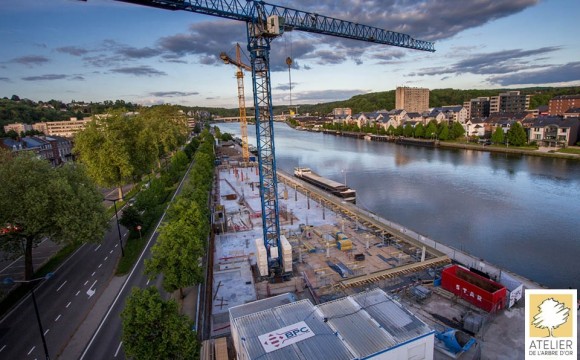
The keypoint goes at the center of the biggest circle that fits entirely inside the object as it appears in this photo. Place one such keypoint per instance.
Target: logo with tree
(551, 315)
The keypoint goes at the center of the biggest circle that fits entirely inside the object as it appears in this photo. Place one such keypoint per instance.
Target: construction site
(333, 250)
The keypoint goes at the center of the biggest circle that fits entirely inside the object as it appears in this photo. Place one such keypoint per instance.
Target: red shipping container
(476, 289)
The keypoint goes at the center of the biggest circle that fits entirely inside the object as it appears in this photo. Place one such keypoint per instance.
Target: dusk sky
(105, 50)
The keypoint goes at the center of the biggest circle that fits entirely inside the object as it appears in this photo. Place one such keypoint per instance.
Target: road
(63, 301)
(106, 342)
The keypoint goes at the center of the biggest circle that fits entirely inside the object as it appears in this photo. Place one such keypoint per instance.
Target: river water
(521, 213)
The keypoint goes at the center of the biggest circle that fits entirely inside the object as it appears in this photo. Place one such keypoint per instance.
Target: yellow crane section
(241, 97)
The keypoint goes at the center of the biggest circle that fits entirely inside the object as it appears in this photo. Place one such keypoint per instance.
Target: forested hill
(438, 97)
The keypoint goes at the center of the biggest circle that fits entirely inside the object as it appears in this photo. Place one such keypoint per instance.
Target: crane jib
(242, 10)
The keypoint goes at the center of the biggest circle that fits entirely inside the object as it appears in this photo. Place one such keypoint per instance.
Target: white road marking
(101, 264)
(116, 245)
(67, 305)
(46, 332)
(93, 274)
(78, 292)
(147, 282)
(58, 317)
(2, 348)
(90, 291)
(106, 257)
(125, 234)
(61, 286)
(86, 282)
(112, 250)
(118, 348)
(31, 350)
(97, 248)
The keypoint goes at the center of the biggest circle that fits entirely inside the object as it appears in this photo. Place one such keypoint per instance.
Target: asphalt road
(63, 301)
(106, 342)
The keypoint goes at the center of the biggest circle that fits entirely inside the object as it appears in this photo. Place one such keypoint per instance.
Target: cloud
(5, 79)
(500, 62)
(318, 96)
(173, 93)
(30, 60)
(136, 53)
(72, 50)
(554, 74)
(139, 71)
(45, 77)
(285, 87)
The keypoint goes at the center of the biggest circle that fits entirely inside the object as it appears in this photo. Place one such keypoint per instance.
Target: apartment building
(67, 128)
(477, 108)
(18, 127)
(511, 101)
(560, 104)
(412, 99)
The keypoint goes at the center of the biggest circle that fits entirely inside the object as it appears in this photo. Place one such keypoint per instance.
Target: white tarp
(285, 336)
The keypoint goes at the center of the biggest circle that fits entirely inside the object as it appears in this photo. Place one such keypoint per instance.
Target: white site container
(286, 253)
(261, 257)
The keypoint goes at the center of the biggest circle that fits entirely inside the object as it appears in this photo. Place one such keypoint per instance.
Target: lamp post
(10, 281)
(118, 227)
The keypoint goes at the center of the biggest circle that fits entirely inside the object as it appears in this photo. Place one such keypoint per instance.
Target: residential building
(67, 128)
(341, 112)
(510, 101)
(51, 148)
(453, 113)
(367, 325)
(560, 104)
(477, 108)
(474, 127)
(572, 112)
(369, 118)
(554, 131)
(412, 99)
(398, 116)
(18, 127)
(505, 121)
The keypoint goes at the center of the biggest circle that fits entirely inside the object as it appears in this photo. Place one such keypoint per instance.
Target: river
(521, 213)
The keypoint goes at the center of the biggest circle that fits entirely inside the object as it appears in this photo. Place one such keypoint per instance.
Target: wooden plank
(221, 349)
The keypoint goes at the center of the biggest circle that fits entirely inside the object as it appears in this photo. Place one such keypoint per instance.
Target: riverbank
(452, 145)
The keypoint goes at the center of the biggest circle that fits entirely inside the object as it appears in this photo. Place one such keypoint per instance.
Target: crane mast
(241, 97)
(264, 22)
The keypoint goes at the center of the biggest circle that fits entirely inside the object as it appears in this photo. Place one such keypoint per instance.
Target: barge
(335, 188)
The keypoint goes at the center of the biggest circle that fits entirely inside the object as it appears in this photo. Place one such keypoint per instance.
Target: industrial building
(369, 325)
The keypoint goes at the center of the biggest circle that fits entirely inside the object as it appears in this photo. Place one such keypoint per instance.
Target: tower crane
(265, 22)
(241, 97)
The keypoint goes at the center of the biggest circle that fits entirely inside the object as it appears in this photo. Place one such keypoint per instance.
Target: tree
(408, 130)
(457, 130)
(109, 149)
(498, 136)
(131, 218)
(444, 132)
(516, 135)
(552, 314)
(419, 130)
(154, 329)
(40, 202)
(430, 130)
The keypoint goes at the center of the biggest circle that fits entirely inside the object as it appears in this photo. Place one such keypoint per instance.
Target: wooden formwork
(395, 272)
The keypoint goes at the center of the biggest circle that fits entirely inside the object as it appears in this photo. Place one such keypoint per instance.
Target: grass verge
(570, 150)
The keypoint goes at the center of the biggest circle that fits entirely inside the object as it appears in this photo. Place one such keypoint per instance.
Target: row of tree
(119, 147)
(442, 131)
(152, 327)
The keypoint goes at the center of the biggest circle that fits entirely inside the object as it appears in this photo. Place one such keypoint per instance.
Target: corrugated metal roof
(353, 327)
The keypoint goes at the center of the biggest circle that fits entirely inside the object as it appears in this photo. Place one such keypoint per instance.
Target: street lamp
(10, 281)
(118, 227)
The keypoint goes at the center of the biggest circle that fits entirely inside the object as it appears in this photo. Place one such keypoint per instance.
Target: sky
(107, 50)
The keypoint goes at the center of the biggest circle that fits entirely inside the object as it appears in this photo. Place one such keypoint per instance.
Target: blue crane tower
(265, 22)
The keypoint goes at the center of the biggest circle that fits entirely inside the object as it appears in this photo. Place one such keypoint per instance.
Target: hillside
(438, 97)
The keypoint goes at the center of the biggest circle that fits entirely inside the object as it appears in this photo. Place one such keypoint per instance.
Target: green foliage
(391, 130)
(498, 136)
(456, 130)
(408, 130)
(443, 132)
(516, 135)
(154, 329)
(419, 130)
(431, 130)
(131, 218)
(71, 212)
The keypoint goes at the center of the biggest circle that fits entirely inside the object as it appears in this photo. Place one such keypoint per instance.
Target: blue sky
(106, 50)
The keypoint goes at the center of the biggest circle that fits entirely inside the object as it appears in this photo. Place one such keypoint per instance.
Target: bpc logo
(285, 336)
